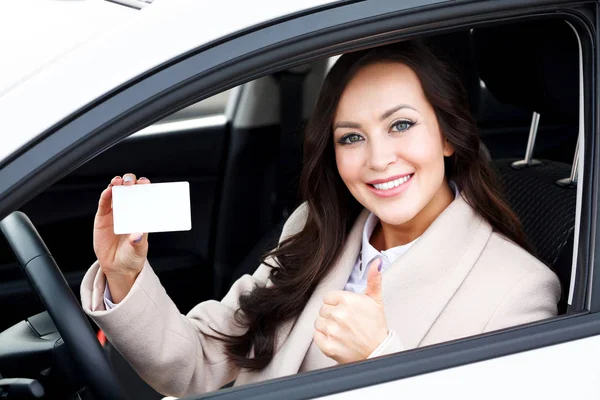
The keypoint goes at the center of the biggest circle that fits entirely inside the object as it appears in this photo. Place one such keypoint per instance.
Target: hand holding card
(128, 209)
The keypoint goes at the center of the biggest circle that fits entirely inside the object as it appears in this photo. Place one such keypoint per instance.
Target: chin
(395, 218)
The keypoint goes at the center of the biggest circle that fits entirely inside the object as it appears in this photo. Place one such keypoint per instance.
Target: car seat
(535, 66)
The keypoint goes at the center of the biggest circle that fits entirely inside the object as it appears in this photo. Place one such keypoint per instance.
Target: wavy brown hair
(305, 258)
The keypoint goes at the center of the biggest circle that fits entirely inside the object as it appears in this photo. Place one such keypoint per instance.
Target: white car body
(135, 45)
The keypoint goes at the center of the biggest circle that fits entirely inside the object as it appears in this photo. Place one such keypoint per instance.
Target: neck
(386, 236)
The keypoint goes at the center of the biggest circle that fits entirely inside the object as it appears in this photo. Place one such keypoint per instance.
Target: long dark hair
(304, 259)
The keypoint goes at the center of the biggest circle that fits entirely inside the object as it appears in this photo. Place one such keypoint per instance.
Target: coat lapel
(294, 346)
(419, 285)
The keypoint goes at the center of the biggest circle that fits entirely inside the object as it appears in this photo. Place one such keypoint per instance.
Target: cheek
(426, 151)
(348, 165)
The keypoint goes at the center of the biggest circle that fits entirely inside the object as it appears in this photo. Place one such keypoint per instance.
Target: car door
(485, 364)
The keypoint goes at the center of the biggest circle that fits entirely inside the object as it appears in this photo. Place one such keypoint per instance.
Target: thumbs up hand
(351, 326)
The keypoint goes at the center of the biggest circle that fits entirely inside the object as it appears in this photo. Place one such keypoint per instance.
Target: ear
(448, 149)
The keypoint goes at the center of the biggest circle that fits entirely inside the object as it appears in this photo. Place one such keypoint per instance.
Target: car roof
(78, 73)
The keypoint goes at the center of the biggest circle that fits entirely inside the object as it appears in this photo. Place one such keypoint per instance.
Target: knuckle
(333, 329)
(320, 324)
(341, 315)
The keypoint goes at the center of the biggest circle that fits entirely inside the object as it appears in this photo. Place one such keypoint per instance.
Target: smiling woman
(403, 241)
(426, 141)
(394, 151)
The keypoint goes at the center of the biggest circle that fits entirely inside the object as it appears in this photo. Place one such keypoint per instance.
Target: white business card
(154, 207)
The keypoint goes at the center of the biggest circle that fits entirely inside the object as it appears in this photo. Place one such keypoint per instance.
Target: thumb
(138, 241)
(373, 289)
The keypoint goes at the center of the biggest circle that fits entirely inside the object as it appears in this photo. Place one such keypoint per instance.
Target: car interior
(242, 154)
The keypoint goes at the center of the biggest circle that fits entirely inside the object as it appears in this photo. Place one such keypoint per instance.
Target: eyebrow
(394, 109)
(354, 125)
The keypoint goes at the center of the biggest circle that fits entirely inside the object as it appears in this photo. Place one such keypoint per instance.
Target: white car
(214, 93)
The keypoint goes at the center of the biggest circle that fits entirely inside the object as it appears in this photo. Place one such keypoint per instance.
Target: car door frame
(265, 49)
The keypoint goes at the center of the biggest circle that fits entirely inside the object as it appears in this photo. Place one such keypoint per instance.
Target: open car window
(553, 199)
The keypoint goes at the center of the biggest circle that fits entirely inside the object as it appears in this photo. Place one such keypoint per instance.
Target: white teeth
(391, 184)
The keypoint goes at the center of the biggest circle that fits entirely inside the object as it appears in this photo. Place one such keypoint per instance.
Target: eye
(402, 125)
(350, 138)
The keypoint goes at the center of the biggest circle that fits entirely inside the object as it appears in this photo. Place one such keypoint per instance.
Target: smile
(392, 187)
(391, 184)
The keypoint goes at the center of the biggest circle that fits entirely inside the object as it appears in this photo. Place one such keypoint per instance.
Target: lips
(391, 186)
(391, 181)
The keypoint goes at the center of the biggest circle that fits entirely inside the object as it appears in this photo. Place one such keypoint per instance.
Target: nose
(381, 154)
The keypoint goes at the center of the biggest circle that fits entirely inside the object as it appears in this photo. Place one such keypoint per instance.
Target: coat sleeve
(174, 353)
(390, 345)
(532, 298)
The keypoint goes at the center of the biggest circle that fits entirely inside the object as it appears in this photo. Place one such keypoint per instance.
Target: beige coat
(459, 279)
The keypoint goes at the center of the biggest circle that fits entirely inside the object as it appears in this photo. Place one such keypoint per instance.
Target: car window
(214, 105)
(232, 171)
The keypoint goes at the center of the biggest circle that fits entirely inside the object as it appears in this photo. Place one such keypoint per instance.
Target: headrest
(455, 48)
(534, 65)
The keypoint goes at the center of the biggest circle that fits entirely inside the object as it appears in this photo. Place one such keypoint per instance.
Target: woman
(403, 241)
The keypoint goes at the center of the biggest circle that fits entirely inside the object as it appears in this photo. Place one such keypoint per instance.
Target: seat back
(546, 210)
(252, 195)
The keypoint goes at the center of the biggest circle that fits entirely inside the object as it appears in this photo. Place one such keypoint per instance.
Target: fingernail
(138, 239)
(380, 262)
(375, 260)
(128, 178)
(110, 185)
(117, 177)
(143, 178)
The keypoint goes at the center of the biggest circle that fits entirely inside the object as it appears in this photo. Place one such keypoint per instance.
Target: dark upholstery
(455, 48)
(533, 65)
(546, 210)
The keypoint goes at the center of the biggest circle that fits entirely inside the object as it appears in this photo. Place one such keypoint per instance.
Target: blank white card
(154, 207)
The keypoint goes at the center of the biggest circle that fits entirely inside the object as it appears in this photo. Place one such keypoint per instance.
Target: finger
(321, 325)
(327, 311)
(129, 179)
(105, 202)
(374, 280)
(137, 239)
(328, 327)
(334, 297)
(116, 181)
(328, 347)
(321, 342)
(143, 181)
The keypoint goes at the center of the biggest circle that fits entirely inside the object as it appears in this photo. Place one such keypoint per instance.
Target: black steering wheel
(62, 305)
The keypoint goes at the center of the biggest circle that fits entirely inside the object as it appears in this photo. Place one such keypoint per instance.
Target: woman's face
(388, 146)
